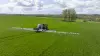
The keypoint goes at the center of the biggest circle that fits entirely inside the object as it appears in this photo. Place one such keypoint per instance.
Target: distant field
(26, 43)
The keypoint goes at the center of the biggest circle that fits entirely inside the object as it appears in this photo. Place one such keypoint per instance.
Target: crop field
(28, 43)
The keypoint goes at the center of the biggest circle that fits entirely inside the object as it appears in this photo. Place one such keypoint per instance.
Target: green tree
(69, 15)
(65, 15)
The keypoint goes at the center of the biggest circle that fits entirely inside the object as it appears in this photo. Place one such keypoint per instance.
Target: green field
(27, 43)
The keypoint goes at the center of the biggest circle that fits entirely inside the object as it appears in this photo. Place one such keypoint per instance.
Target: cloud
(80, 6)
(87, 6)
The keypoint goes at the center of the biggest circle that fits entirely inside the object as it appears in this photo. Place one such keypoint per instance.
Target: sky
(48, 6)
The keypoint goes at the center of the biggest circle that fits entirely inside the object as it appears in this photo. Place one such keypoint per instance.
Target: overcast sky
(48, 6)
